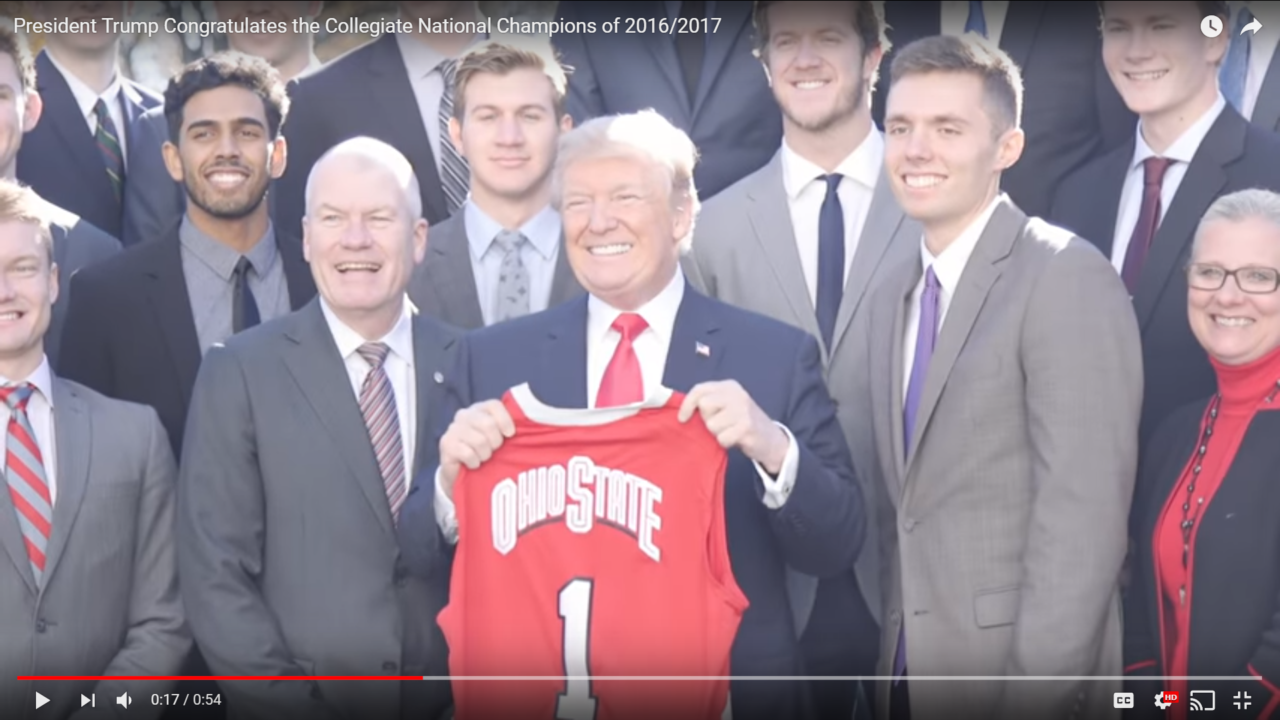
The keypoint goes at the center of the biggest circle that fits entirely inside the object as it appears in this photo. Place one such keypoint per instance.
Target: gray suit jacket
(289, 557)
(444, 284)
(1004, 529)
(109, 601)
(76, 244)
(744, 253)
(153, 202)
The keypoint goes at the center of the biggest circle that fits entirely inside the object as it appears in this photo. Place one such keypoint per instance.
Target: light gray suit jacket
(1004, 529)
(76, 244)
(108, 604)
(744, 253)
(289, 559)
(444, 284)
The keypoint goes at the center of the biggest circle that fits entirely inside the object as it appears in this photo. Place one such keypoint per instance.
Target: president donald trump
(624, 186)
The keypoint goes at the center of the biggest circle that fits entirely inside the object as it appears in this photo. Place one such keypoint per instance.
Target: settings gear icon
(1160, 703)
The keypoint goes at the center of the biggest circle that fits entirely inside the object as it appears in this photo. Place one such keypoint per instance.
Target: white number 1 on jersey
(576, 702)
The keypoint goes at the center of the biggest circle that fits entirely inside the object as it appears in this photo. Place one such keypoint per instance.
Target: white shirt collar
(41, 378)
(949, 265)
(1184, 148)
(400, 339)
(659, 313)
(85, 97)
(863, 166)
(542, 230)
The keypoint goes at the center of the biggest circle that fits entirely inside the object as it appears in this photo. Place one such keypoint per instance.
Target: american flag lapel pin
(702, 350)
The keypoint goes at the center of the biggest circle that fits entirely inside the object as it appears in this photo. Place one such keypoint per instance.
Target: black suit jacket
(130, 334)
(60, 160)
(733, 118)
(820, 528)
(1266, 111)
(76, 245)
(364, 92)
(1235, 581)
(1071, 111)
(1233, 156)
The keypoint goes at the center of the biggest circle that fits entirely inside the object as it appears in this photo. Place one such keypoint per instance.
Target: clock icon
(1211, 26)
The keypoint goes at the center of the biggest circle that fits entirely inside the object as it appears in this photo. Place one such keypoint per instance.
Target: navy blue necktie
(1235, 66)
(244, 309)
(830, 259)
(977, 22)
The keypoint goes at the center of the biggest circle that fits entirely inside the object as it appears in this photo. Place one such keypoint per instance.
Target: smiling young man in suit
(88, 579)
(305, 436)
(625, 189)
(500, 256)
(1007, 378)
(140, 322)
(1140, 204)
(803, 240)
(78, 157)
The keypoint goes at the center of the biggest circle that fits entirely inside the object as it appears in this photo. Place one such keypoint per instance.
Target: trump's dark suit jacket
(733, 118)
(1233, 156)
(60, 160)
(364, 92)
(820, 528)
(130, 333)
(1071, 111)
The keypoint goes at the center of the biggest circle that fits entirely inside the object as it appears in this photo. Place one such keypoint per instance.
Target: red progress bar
(219, 678)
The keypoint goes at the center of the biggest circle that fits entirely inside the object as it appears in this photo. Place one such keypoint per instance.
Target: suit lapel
(889, 380)
(663, 49)
(696, 350)
(733, 21)
(452, 277)
(394, 92)
(74, 443)
(1101, 228)
(12, 542)
(1204, 181)
(884, 217)
(429, 351)
(169, 299)
(1020, 26)
(297, 272)
(770, 217)
(61, 111)
(564, 284)
(312, 358)
(1266, 112)
(564, 358)
(979, 275)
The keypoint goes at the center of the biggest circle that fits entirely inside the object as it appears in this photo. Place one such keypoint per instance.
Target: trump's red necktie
(623, 383)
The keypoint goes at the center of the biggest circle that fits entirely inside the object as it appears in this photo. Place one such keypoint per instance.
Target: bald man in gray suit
(88, 581)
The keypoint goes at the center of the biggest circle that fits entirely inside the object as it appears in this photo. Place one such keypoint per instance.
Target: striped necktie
(24, 472)
(1235, 66)
(455, 174)
(109, 145)
(378, 406)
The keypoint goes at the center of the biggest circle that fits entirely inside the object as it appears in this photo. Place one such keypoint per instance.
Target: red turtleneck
(1244, 390)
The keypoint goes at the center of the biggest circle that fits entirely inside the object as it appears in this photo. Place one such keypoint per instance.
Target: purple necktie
(1153, 169)
(926, 338)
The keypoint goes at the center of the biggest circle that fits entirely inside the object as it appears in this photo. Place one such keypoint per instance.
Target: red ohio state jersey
(593, 544)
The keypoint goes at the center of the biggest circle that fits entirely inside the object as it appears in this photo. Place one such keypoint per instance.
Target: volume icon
(124, 700)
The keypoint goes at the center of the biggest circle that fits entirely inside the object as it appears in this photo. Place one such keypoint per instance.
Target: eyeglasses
(1253, 280)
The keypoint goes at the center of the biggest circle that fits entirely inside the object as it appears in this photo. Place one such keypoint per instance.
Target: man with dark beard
(802, 240)
(139, 323)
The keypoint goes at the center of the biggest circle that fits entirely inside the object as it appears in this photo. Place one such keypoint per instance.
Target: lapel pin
(702, 350)
(438, 377)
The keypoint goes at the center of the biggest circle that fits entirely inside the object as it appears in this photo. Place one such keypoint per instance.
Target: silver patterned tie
(455, 174)
(512, 297)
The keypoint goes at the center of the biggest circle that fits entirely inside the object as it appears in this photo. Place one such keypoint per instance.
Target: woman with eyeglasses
(1205, 594)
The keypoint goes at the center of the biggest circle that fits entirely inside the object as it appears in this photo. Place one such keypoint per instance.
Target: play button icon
(41, 701)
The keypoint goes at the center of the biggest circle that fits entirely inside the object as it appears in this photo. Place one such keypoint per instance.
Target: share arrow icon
(1254, 27)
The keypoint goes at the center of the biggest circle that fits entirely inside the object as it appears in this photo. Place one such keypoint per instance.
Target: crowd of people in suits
(986, 298)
